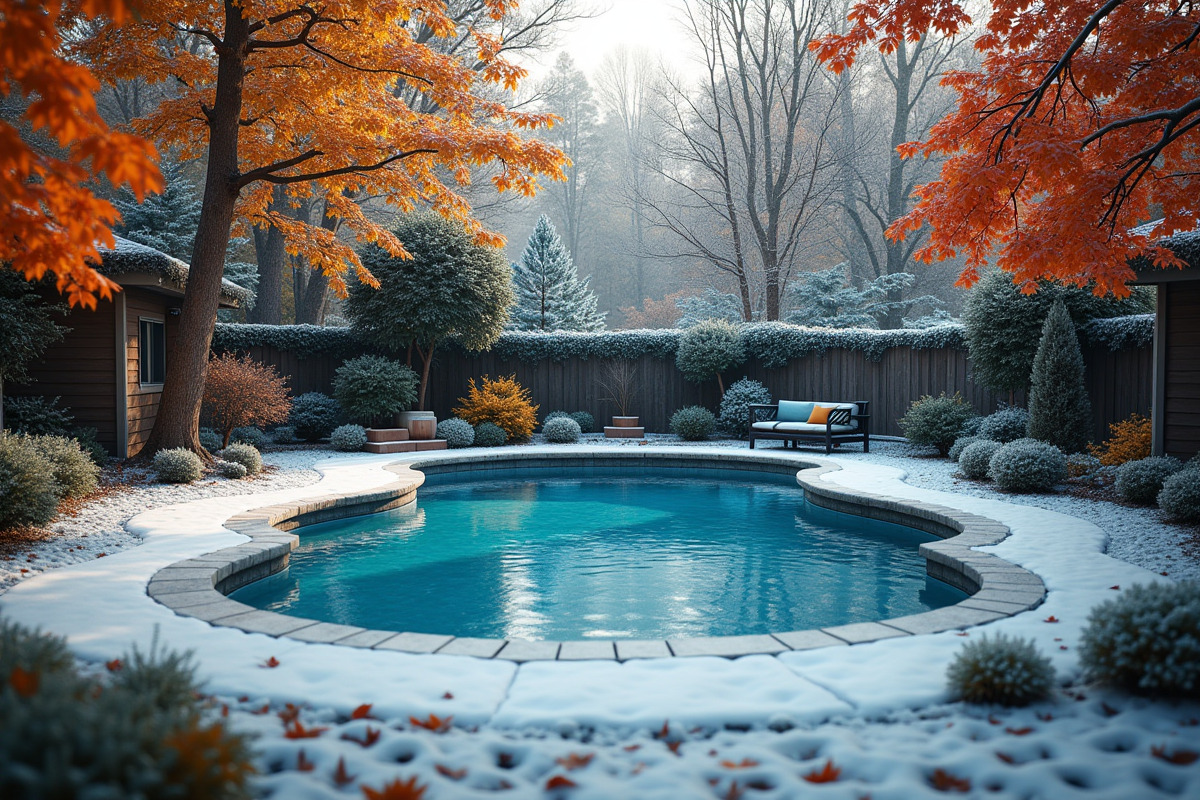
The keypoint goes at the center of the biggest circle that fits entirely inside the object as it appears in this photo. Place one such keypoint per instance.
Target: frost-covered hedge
(1120, 333)
(303, 340)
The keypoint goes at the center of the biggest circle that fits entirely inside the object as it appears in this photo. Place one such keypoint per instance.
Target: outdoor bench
(789, 421)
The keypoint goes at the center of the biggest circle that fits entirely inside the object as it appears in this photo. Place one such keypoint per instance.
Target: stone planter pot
(421, 425)
(624, 428)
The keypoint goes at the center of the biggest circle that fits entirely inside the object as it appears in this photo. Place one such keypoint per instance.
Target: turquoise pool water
(544, 555)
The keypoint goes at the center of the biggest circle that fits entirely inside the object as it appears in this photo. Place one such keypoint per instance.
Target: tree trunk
(897, 200)
(426, 357)
(178, 421)
(271, 257)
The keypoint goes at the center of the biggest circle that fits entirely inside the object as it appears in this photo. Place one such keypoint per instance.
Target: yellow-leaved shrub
(1129, 441)
(503, 402)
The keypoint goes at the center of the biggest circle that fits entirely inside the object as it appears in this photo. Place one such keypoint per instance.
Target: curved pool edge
(197, 587)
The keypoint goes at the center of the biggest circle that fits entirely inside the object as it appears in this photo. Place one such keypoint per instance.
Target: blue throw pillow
(794, 411)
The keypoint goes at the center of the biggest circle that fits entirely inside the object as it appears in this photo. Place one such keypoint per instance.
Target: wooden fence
(1119, 382)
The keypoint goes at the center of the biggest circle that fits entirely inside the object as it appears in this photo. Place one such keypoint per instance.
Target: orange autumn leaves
(1079, 125)
(51, 221)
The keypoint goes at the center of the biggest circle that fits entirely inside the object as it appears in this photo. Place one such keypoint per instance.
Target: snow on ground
(756, 727)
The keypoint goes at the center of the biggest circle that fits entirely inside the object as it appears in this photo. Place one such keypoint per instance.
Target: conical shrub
(1060, 412)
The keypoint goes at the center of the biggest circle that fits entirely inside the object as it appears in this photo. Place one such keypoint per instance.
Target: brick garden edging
(197, 587)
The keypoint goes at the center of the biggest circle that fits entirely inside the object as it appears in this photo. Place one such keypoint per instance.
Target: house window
(152, 351)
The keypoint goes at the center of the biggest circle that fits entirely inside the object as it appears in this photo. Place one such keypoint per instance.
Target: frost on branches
(550, 294)
(827, 299)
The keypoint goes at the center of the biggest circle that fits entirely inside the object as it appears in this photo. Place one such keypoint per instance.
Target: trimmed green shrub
(249, 435)
(554, 415)
(1140, 481)
(1060, 412)
(1080, 465)
(229, 469)
(284, 434)
(314, 416)
(936, 421)
(585, 421)
(709, 348)
(1027, 465)
(348, 438)
(139, 732)
(561, 430)
(74, 471)
(977, 457)
(1147, 640)
(734, 415)
(37, 416)
(960, 444)
(87, 442)
(373, 387)
(210, 440)
(1005, 425)
(1180, 495)
(457, 433)
(177, 465)
(29, 494)
(245, 454)
(1002, 670)
(489, 434)
(971, 426)
(693, 423)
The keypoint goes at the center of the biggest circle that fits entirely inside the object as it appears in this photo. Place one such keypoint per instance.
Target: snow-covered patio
(877, 709)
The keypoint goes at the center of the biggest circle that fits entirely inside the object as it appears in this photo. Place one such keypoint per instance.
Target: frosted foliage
(1006, 425)
(828, 299)
(937, 421)
(708, 349)
(1027, 465)
(1147, 640)
(1000, 669)
(693, 423)
(178, 465)
(550, 294)
(562, 430)
(709, 305)
(1180, 495)
(348, 438)
(960, 444)
(1140, 481)
(734, 416)
(245, 454)
(457, 433)
(976, 458)
(489, 434)
(1059, 409)
(229, 469)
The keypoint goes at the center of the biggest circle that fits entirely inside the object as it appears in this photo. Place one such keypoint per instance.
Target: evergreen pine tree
(165, 221)
(550, 294)
(827, 299)
(1059, 410)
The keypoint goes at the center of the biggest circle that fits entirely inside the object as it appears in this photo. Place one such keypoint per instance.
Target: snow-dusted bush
(971, 427)
(585, 421)
(142, 731)
(1140, 481)
(1080, 465)
(734, 416)
(74, 471)
(999, 669)
(1027, 465)
(489, 434)
(554, 415)
(1180, 495)
(373, 387)
(229, 469)
(936, 421)
(27, 486)
(284, 434)
(245, 454)
(37, 416)
(708, 349)
(961, 444)
(1120, 333)
(348, 438)
(1005, 425)
(693, 423)
(314, 416)
(561, 430)
(255, 437)
(977, 457)
(1146, 640)
(457, 433)
(210, 440)
(1060, 412)
(177, 465)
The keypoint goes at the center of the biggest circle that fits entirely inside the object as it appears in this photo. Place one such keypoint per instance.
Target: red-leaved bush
(241, 391)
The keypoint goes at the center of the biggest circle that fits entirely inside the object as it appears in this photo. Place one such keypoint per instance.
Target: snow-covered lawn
(767, 724)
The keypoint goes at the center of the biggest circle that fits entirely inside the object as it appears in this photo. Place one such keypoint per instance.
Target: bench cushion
(794, 411)
(803, 427)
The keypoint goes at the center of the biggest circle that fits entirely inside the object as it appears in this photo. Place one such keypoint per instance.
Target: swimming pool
(546, 554)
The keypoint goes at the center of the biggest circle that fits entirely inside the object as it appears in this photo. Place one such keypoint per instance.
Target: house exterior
(1176, 399)
(109, 369)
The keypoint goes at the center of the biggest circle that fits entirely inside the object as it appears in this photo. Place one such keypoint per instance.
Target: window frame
(145, 352)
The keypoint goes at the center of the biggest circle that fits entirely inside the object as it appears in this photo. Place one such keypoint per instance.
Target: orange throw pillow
(819, 415)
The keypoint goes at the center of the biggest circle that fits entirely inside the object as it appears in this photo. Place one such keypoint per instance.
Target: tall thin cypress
(1059, 409)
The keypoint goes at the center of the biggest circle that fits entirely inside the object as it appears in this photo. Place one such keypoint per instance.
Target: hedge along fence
(562, 370)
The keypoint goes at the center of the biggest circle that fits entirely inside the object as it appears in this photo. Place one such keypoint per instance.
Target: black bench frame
(839, 416)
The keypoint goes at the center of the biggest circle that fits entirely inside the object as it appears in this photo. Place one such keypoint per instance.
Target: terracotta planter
(624, 428)
(422, 425)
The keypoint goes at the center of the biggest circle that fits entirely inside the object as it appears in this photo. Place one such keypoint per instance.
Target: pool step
(405, 447)
(613, 432)
(387, 435)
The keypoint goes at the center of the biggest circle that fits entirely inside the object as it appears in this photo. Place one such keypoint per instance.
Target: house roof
(130, 258)
(1184, 244)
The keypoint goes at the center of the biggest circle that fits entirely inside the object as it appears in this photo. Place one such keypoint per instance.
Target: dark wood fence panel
(1119, 382)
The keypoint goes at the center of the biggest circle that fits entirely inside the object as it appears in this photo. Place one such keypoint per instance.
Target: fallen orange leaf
(369, 738)
(302, 762)
(341, 777)
(1181, 757)
(946, 782)
(297, 731)
(24, 682)
(408, 790)
(575, 761)
(114, 665)
(362, 712)
(433, 723)
(452, 774)
(828, 774)
(270, 663)
(746, 763)
(1051, 618)
(734, 792)
(1019, 731)
(1006, 758)
(290, 713)
(560, 782)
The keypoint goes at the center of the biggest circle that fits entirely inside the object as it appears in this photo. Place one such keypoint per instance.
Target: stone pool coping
(197, 587)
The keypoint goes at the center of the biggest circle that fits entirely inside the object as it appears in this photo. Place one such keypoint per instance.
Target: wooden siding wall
(1181, 432)
(1120, 382)
(81, 370)
(143, 401)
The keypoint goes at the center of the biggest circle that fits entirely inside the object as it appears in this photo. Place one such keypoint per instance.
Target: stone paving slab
(635, 648)
(414, 642)
(468, 646)
(521, 650)
(726, 646)
(860, 632)
(587, 651)
(807, 640)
